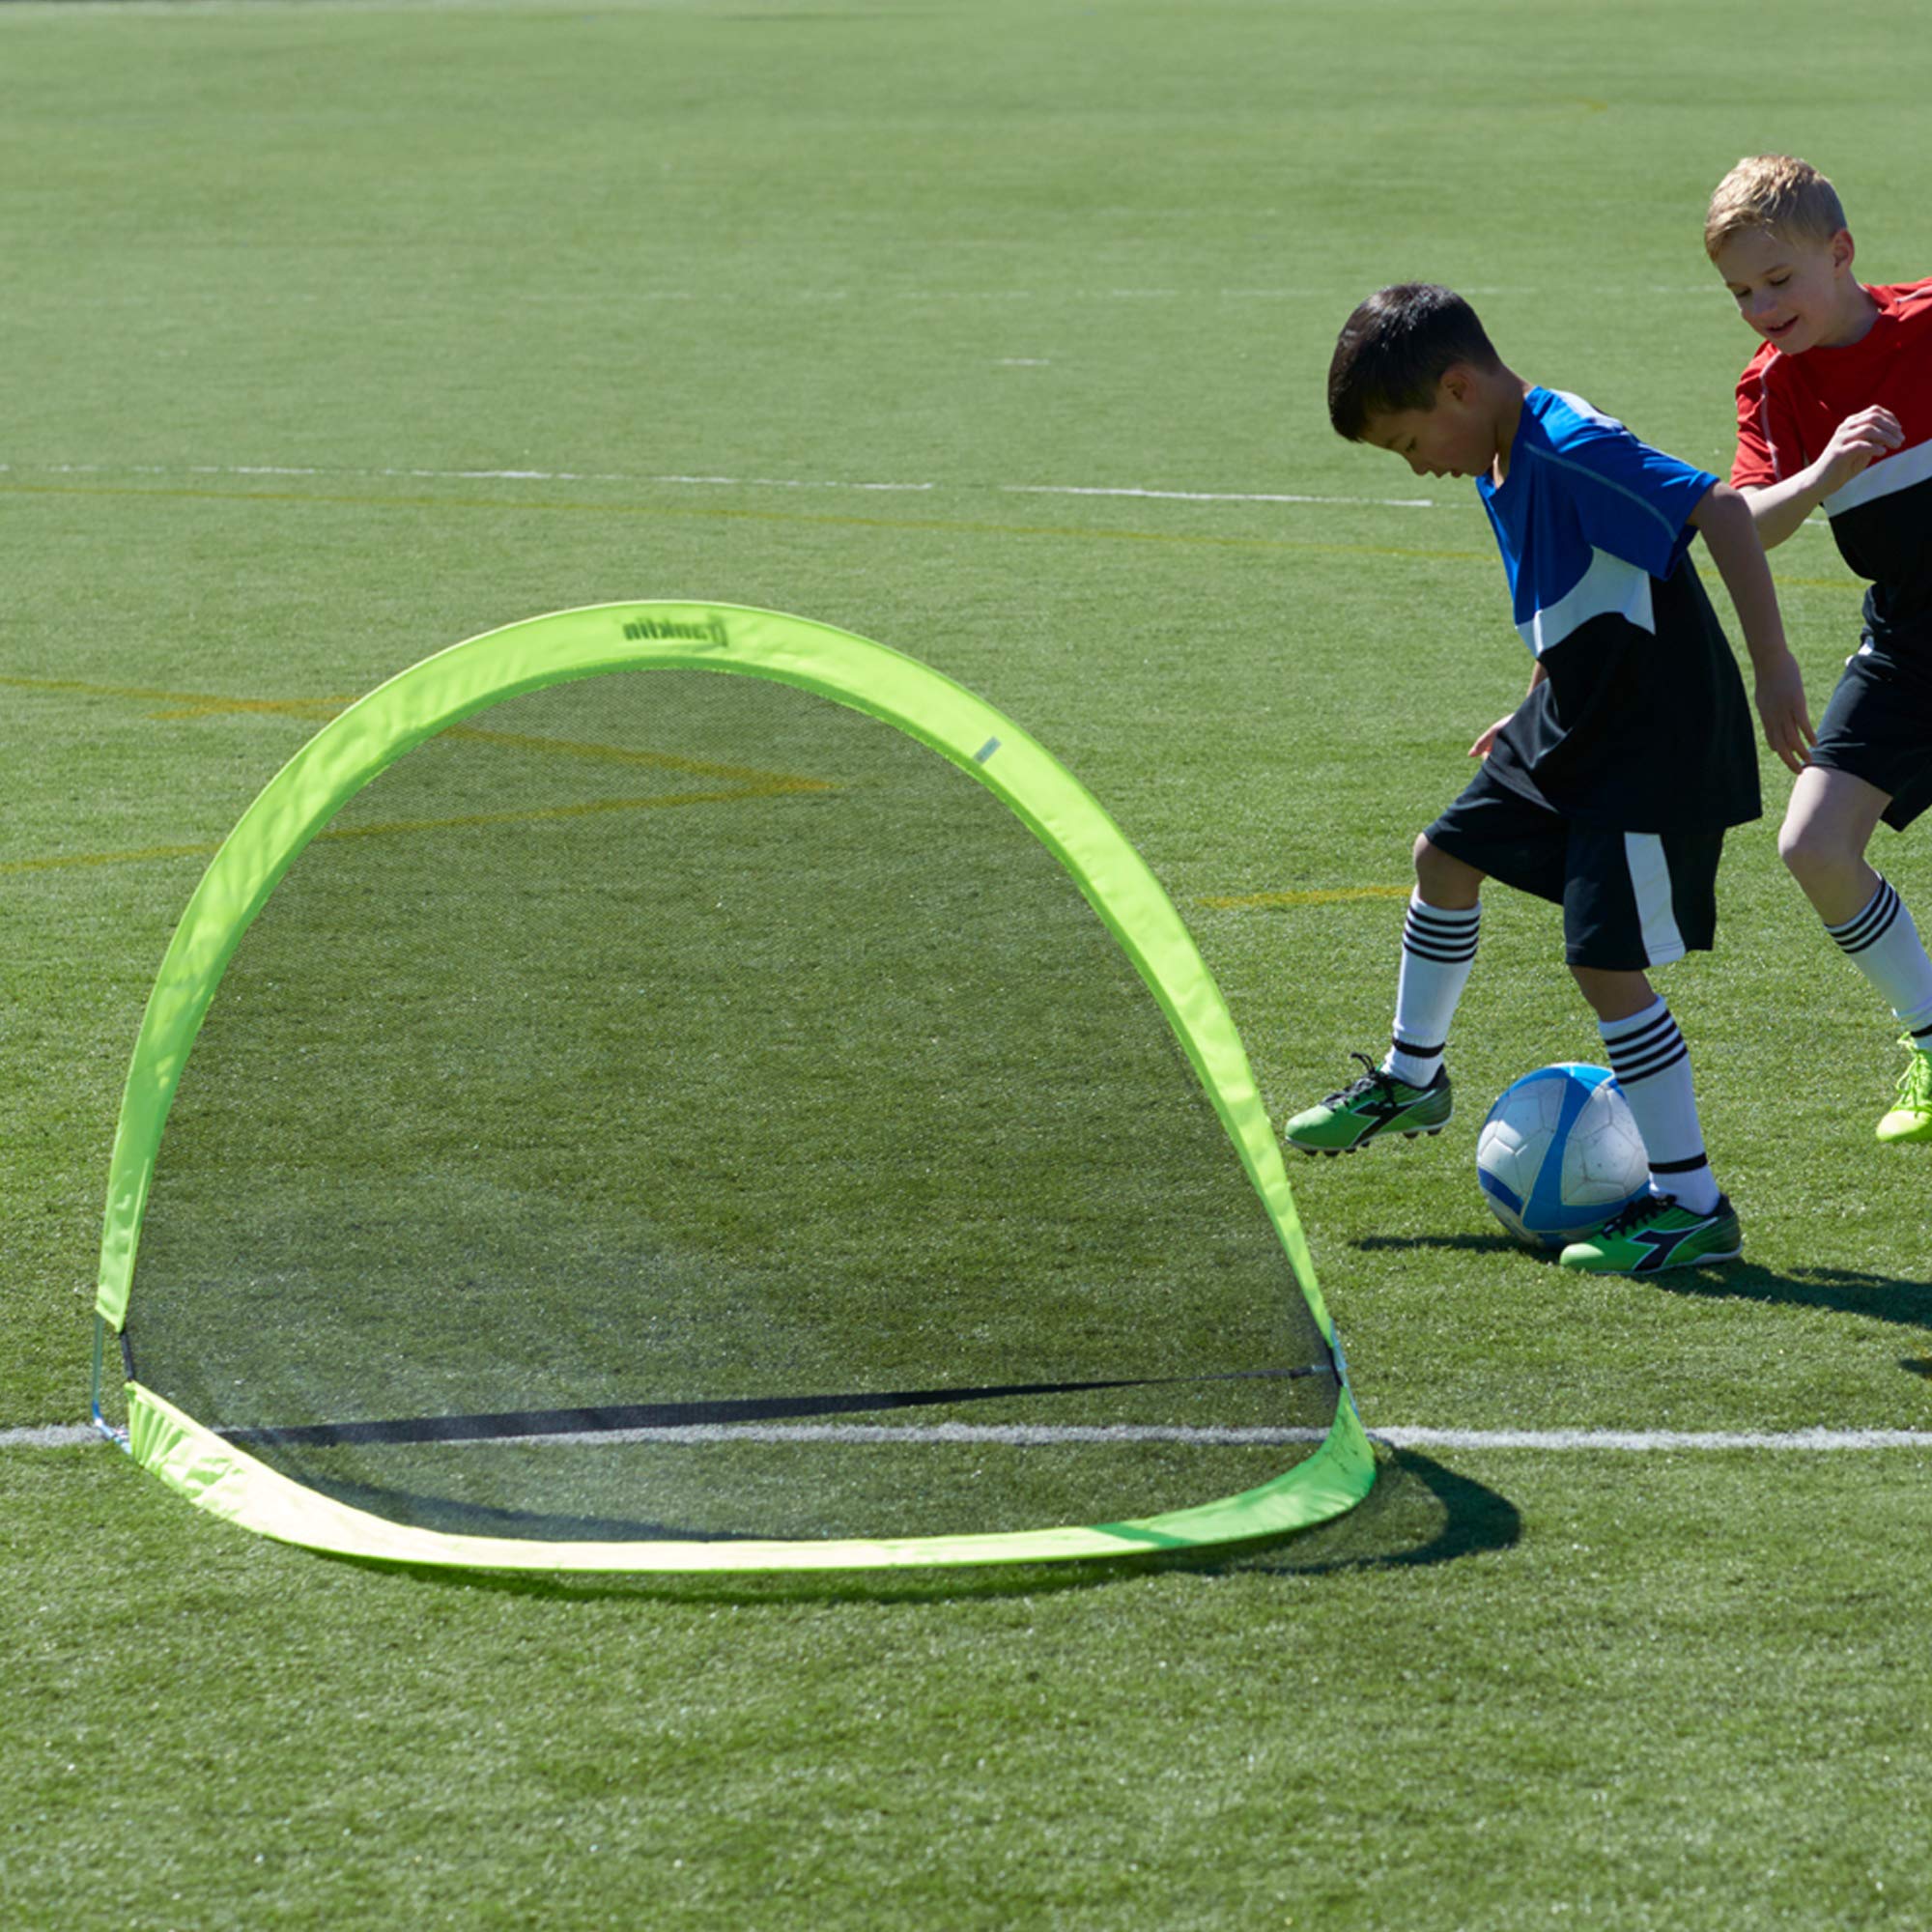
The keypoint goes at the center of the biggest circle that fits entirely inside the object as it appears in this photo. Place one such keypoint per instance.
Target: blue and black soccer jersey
(1642, 724)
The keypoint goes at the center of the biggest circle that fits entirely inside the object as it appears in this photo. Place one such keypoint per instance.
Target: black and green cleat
(1654, 1233)
(1378, 1103)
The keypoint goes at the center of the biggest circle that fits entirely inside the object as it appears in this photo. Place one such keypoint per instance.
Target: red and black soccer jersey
(1882, 520)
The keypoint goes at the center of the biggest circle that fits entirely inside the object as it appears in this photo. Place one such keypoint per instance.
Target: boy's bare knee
(1825, 853)
(1827, 827)
(1811, 851)
(1794, 849)
(1444, 881)
(1613, 995)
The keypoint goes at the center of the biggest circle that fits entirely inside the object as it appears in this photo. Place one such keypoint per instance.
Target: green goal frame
(898, 690)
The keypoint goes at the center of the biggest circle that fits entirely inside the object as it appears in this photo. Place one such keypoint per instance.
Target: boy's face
(1454, 438)
(1797, 294)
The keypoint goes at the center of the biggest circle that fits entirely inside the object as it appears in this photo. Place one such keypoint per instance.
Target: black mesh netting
(681, 1047)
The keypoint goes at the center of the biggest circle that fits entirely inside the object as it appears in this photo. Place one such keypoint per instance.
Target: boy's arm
(1729, 530)
(1779, 508)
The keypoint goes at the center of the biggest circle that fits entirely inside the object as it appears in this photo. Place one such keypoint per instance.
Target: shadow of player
(1880, 1297)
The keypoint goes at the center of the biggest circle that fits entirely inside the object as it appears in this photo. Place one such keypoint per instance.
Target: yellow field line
(142, 854)
(185, 704)
(203, 704)
(134, 855)
(741, 780)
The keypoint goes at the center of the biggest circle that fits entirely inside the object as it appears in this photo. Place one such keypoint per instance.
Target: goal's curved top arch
(247, 1463)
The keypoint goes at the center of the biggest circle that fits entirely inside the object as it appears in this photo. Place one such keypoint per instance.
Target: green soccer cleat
(1378, 1103)
(1911, 1116)
(1654, 1233)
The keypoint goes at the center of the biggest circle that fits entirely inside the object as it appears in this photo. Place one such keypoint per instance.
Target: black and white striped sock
(1653, 1068)
(1437, 950)
(1884, 945)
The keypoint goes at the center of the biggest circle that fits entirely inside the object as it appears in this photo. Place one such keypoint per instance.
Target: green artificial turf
(341, 332)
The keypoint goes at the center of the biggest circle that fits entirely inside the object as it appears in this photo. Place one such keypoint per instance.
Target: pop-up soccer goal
(680, 1086)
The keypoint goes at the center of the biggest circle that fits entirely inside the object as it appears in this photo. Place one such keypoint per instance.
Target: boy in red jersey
(1835, 412)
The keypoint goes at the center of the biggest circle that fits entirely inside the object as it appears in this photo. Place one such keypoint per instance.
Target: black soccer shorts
(1630, 899)
(1878, 726)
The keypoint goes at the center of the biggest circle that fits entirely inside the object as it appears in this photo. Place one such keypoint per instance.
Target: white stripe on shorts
(1649, 886)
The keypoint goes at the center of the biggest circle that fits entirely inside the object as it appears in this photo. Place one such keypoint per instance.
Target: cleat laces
(1915, 1084)
(1645, 1208)
(1375, 1080)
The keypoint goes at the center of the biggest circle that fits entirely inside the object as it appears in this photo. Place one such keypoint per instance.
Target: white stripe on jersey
(1885, 478)
(1649, 886)
(1609, 585)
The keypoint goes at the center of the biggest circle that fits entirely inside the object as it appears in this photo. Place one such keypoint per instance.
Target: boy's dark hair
(1394, 349)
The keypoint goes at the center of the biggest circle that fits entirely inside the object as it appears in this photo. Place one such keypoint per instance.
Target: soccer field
(997, 333)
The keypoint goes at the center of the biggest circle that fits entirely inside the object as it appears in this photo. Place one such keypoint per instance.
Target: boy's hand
(1484, 745)
(1856, 443)
(1730, 534)
(1778, 509)
(1480, 748)
(1780, 705)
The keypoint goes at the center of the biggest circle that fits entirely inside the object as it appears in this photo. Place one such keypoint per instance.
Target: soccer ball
(1560, 1154)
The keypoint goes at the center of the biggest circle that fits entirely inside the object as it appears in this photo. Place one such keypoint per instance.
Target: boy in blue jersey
(1609, 788)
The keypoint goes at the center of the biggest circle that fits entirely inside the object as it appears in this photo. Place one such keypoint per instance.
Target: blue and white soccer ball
(1560, 1154)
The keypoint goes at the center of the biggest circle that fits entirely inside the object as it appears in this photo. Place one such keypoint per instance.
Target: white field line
(682, 480)
(1211, 496)
(1652, 1441)
(435, 475)
(1625, 1441)
(734, 298)
(51, 1435)
(693, 481)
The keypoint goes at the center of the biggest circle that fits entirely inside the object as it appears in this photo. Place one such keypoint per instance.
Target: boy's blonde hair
(1773, 191)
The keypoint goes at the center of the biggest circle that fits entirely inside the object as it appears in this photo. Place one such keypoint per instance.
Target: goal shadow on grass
(1418, 1514)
